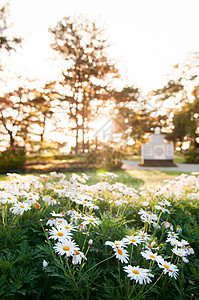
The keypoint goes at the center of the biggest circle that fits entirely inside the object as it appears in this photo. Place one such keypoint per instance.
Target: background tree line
(84, 90)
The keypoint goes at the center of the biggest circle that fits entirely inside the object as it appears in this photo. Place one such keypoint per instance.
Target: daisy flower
(49, 200)
(147, 215)
(172, 234)
(66, 247)
(7, 198)
(174, 242)
(169, 268)
(59, 215)
(90, 220)
(59, 221)
(19, 208)
(179, 252)
(138, 274)
(122, 255)
(168, 225)
(116, 244)
(189, 250)
(144, 236)
(133, 239)
(77, 257)
(59, 233)
(67, 226)
(178, 228)
(150, 255)
(76, 217)
(51, 222)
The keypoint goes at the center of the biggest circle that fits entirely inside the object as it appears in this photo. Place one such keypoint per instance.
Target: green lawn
(134, 178)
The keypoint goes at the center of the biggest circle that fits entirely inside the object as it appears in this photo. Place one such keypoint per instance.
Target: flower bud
(90, 242)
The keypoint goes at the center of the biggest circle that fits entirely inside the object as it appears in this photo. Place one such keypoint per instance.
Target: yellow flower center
(149, 246)
(91, 220)
(60, 233)
(78, 216)
(117, 244)
(76, 252)
(178, 226)
(67, 227)
(51, 219)
(133, 240)
(66, 248)
(22, 206)
(84, 202)
(59, 221)
(152, 256)
(179, 254)
(166, 267)
(119, 251)
(9, 198)
(172, 233)
(148, 212)
(135, 272)
(142, 235)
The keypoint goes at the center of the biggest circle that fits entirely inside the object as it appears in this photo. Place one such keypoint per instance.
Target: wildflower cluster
(85, 226)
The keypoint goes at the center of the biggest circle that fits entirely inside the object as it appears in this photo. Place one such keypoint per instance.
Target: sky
(148, 37)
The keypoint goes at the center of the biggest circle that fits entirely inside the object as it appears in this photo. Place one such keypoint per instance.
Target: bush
(106, 157)
(192, 155)
(12, 159)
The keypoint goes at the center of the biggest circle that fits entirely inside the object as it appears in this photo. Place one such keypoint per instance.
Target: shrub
(192, 155)
(12, 159)
(107, 158)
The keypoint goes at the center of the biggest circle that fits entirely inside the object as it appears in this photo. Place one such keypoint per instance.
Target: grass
(152, 178)
(134, 178)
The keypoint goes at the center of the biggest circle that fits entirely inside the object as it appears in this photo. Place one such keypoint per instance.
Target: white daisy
(59, 234)
(138, 274)
(116, 244)
(19, 208)
(133, 239)
(66, 247)
(172, 234)
(90, 220)
(51, 222)
(150, 255)
(178, 228)
(49, 200)
(122, 255)
(77, 257)
(179, 252)
(169, 268)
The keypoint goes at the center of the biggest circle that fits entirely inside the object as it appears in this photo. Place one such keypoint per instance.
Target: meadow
(122, 235)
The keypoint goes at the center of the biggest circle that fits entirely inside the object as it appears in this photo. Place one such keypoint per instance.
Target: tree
(134, 115)
(186, 124)
(7, 42)
(87, 71)
(13, 111)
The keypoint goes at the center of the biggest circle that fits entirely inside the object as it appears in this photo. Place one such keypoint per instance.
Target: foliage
(12, 159)
(192, 155)
(97, 216)
(86, 73)
(107, 158)
(134, 118)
